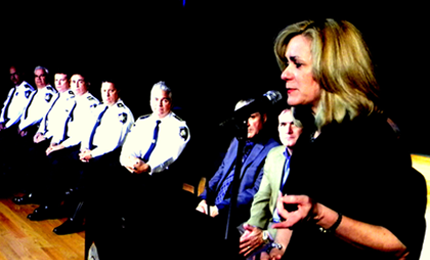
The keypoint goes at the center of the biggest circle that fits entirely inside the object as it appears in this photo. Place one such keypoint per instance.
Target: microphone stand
(240, 129)
(241, 133)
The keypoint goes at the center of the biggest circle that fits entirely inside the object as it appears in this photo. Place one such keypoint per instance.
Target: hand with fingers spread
(286, 206)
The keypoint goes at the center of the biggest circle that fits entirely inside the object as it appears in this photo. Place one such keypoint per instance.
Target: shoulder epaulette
(120, 105)
(177, 117)
(144, 117)
(50, 88)
(91, 98)
(28, 86)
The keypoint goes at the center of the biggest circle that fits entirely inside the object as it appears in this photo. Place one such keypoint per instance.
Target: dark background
(211, 53)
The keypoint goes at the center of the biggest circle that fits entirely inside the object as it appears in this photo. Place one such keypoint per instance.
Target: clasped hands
(38, 137)
(53, 148)
(136, 165)
(251, 239)
(203, 208)
(85, 155)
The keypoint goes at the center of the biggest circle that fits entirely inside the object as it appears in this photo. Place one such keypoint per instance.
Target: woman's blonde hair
(341, 66)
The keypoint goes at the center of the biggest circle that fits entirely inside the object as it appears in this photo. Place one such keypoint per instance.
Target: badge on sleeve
(183, 132)
(48, 97)
(123, 117)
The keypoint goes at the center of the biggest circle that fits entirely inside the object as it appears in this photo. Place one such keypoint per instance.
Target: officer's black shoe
(46, 212)
(69, 226)
(28, 198)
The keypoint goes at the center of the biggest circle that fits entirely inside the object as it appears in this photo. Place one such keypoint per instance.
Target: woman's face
(301, 87)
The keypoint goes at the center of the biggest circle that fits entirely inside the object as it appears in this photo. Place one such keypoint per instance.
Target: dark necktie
(29, 104)
(49, 111)
(285, 173)
(6, 109)
(66, 124)
(99, 119)
(153, 143)
(226, 184)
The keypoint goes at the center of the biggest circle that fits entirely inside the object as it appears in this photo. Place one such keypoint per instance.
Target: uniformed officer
(38, 105)
(85, 106)
(12, 110)
(40, 102)
(66, 136)
(52, 124)
(104, 133)
(172, 136)
(154, 143)
(108, 128)
(17, 99)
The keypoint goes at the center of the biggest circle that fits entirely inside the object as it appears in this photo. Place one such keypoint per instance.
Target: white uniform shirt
(173, 136)
(53, 123)
(40, 102)
(114, 125)
(81, 116)
(15, 104)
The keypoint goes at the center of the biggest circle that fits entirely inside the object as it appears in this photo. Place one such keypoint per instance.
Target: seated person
(13, 107)
(257, 229)
(257, 146)
(141, 184)
(52, 124)
(104, 133)
(68, 136)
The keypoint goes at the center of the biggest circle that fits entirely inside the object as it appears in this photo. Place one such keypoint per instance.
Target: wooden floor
(23, 239)
(422, 164)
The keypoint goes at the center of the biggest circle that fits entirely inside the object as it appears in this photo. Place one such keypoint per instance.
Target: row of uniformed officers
(64, 139)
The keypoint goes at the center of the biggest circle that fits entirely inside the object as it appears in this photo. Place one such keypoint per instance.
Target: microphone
(269, 99)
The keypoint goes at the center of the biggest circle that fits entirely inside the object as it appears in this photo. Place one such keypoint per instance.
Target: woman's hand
(357, 233)
(306, 210)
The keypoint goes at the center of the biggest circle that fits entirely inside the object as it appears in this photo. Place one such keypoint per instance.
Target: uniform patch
(123, 117)
(48, 97)
(120, 105)
(27, 94)
(183, 132)
(90, 98)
